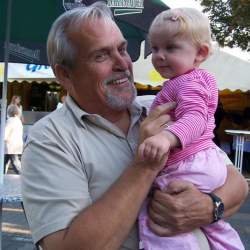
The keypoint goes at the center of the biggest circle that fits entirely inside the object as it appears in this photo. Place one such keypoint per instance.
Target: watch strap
(218, 207)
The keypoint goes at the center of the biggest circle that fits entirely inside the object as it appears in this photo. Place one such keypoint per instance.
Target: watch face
(218, 207)
(220, 210)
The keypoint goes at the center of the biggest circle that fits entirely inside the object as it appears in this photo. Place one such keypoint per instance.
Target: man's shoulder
(55, 122)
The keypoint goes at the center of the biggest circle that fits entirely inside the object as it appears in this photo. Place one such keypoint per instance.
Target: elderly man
(83, 183)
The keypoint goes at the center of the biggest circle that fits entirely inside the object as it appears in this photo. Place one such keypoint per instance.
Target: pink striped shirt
(196, 95)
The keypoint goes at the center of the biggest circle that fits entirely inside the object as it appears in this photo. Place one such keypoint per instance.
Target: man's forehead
(100, 34)
(99, 27)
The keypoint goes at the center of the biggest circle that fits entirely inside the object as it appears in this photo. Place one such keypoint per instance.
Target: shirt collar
(136, 110)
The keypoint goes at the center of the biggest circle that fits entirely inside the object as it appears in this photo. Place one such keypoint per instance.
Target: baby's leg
(222, 236)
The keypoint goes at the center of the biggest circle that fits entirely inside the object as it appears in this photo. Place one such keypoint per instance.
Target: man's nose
(120, 62)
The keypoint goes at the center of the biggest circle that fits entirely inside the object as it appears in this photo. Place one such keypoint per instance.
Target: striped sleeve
(192, 110)
(161, 97)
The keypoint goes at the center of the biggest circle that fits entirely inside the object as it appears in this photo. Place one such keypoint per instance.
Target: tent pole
(4, 89)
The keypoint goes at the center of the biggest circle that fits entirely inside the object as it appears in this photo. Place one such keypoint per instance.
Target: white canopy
(27, 72)
(230, 71)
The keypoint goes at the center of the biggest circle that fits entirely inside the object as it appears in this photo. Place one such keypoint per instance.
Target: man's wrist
(209, 209)
(218, 207)
(146, 168)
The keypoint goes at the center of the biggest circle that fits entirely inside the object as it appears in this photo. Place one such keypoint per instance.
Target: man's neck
(123, 122)
(121, 119)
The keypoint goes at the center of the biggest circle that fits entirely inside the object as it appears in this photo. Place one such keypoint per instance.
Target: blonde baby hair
(185, 22)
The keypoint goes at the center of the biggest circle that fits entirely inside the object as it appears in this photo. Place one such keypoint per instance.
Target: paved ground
(16, 234)
(241, 222)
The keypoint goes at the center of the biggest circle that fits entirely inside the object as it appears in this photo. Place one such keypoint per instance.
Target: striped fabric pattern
(196, 95)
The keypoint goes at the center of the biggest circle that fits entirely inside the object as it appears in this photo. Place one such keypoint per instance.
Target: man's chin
(120, 103)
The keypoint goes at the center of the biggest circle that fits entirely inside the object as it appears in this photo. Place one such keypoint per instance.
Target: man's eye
(101, 57)
(123, 50)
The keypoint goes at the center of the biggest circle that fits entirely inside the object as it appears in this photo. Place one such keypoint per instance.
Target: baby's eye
(154, 49)
(171, 47)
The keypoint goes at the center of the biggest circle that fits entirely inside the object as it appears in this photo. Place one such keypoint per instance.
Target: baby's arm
(196, 103)
(156, 147)
(191, 114)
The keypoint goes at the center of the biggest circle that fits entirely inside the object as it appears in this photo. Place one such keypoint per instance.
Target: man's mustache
(118, 76)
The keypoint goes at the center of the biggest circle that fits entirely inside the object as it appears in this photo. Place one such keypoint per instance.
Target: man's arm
(106, 223)
(183, 207)
(234, 192)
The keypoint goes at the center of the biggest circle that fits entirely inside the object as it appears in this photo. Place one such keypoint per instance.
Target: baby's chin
(166, 75)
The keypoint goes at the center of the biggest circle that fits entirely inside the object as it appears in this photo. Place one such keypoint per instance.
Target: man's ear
(63, 76)
(202, 54)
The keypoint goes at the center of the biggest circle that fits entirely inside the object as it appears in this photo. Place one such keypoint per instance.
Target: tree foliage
(230, 21)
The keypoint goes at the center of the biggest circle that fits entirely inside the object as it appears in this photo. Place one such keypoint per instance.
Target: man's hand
(152, 125)
(156, 121)
(154, 148)
(179, 209)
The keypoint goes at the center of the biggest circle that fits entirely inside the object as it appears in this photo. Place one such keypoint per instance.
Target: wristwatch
(218, 207)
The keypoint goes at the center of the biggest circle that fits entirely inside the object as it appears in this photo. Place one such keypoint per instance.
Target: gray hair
(60, 49)
(13, 110)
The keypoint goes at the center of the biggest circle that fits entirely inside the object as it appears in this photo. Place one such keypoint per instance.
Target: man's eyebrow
(99, 50)
(124, 43)
(106, 48)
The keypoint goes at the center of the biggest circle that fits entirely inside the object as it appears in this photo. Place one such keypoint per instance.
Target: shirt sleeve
(8, 129)
(60, 193)
(191, 111)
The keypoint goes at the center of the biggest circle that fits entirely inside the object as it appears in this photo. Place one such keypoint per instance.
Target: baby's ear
(202, 53)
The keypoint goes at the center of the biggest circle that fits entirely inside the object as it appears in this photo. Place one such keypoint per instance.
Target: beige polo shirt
(70, 159)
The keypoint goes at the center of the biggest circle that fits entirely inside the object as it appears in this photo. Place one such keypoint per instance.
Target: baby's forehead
(168, 35)
(167, 27)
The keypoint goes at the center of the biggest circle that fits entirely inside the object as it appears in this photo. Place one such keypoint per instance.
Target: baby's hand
(154, 148)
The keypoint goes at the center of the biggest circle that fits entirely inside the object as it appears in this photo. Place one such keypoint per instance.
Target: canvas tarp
(27, 72)
(230, 71)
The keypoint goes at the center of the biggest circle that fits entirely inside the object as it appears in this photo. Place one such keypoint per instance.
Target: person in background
(16, 100)
(62, 100)
(82, 181)
(180, 41)
(13, 139)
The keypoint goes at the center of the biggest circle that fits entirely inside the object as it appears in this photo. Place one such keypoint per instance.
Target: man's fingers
(158, 230)
(156, 211)
(162, 120)
(161, 109)
(153, 154)
(178, 186)
(153, 127)
(161, 156)
(141, 151)
(156, 121)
